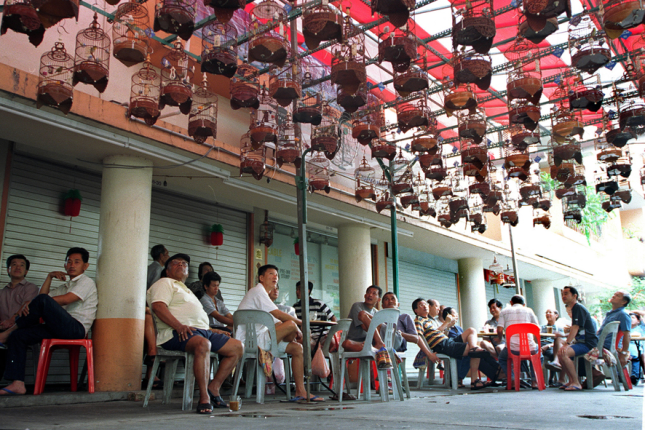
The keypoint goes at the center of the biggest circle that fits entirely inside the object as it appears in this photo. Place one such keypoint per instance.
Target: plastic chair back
(523, 330)
(253, 320)
(342, 326)
(384, 316)
(624, 375)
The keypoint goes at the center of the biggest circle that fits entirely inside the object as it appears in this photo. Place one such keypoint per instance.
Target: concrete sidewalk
(602, 408)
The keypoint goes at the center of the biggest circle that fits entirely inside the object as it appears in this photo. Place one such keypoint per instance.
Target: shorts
(450, 348)
(580, 348)
(217, 340)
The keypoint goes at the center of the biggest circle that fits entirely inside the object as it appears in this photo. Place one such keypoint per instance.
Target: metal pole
(395, 240)
(514, 257)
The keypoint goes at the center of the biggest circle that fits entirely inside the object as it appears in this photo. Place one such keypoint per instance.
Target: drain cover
(602, 417)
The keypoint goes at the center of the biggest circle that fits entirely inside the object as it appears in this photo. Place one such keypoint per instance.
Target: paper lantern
(73, 201)
(217, 235)
(296, 246)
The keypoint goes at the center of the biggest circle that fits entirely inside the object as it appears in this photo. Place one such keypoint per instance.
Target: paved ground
(487, 409)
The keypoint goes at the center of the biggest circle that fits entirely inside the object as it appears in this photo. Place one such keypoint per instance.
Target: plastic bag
(319, 366)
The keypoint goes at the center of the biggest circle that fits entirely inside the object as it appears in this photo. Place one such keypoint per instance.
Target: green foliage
(636, 290)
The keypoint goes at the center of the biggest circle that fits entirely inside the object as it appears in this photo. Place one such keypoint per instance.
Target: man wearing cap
(183, 326)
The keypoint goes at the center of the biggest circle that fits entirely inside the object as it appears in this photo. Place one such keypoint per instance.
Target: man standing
(67, 314)
(159, 255)
(17, 292)
(323, 313)
(517, 313)
(582, 331)
(183, 326)
(286, 327)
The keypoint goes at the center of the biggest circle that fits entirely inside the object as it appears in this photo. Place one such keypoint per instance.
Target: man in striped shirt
(323, 313)
(440, 343)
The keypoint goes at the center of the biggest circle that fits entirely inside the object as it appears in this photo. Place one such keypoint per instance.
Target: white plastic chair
(450, 370)
(611, 329)
(250, 318)
(390, 318)
(334, 357)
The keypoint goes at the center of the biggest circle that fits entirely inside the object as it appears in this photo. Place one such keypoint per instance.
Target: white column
(543, 298)
(354, 264)
(124, 228)
(472, 288)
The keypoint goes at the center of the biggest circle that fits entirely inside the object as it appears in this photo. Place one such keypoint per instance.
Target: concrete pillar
(472, 288)
(543, 298)
(354, 264)
(124, 228)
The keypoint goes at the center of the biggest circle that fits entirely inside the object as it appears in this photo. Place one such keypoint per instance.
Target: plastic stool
(74, 347)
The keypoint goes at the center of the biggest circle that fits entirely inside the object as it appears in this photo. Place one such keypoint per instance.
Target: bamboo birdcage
(219, 49)
(412, 80)
(538, 12)
(397, 11)
(565, 124)
(398, 47)
(325, 137)
(426, 203)
(402, 177)
(621, 15)
(585, 96)
(632, 114)
(367, 126)
(284, 84)
(474, 158)
(56, 72)
(351, 102)
(264, 124)
(429, 140)
(92, 59)
(517, 162)
(524, 80)
(269, 46)
(245, 88)
(252, 160)
(348, 69)
(176, 77)
(51, 12)
(144, 94)
(469, 67)
(318, 169)
(472, 126)
(289, 147)
(224, 9)
(473, 24)
(525, 30)
(588, 47)
(309, 107)
(365, 178)
(21, 17)
(382, 149)
(457, 98)
(414, 112)
(130, 33)
(321, 22)
(176, 17)
(521, 138)
(202, 120)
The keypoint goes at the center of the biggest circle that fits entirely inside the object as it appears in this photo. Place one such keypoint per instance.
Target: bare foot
(16, 387)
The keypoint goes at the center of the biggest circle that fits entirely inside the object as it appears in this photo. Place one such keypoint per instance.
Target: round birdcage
(55, 79)
(588, 47)
(472, 68)
(583, 96)
(365, 177)
(224, 9)
(318, 169)
(632, 115)
(525, 30)
(428, 141)
(202, 121)
(397, 11)
(473, 24)
(426, 203)
(351, 102)
(176, 17)
(252, 160)
(621, 167)
(309, 106)
(402, 178)
(524, 80)
(321, 22)
(521, 138)
(21, 17)
(541, 217)
(621, 15)
(92, 59)
(517, 162)
(412, 80)
(398, 47)
(176, 77)
(144, 94)
(130, 33)
(565, 124)
(289, 147)
(477, 219)
(572, 206)
(458, 98)
(381, 148)
(264, 125)
(325, 137)
(348, 69)
(51, 12)
(384, 201)
(370, 119)
(284, 84)
(414, 112)
(219, 49)
(472, 126)
(245, 88)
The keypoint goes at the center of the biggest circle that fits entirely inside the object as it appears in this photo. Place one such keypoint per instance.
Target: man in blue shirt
(619, 301)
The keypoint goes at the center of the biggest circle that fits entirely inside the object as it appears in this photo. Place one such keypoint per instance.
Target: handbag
(319, 366)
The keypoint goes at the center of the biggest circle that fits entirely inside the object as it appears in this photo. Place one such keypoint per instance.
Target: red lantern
(296, 246)
(217, 235)
(73, 201)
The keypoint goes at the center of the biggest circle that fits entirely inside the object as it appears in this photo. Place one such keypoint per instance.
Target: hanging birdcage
(92, 59)
(381, 148)
(621, 15)
(144, 94)
(632, 115)
(402, 177)
(365, 178)
(269, 46)
(56, 71)
(606, 152)
(348, 69)
(522, 112)
(176, 17)
(471, 68)
(202, 121)
(176, 77)
(289, 148)
(442, 187)
(428, 141)
(245, 88)
(325, 137)
(130, 33)
(572, 207)
(509, 213)
(577, 177)
(412, 80)
(536, 36)
(224, 9)
(443, 212)
(369, 122)
(385, 201)
(524, 80)
(605, 184)
(397, 11)
(398, 47)
(588, 47)
(310, 104)
(413, 112)
(252, 160)
(521, 138)
(426, 203)
(284, 84)
(21, 17)
(472, 126)
(264, 125)
(517, 162)
(458, 98)
(321, 22)
(473, 24)
(473, 153)
(219, 49)
(565, 124)
(583, 96)
(541, 217)
(621, 167)
(530, 191)
(318, 169)
(351, 102)
(538, 12)
(477, 219)
(51, 12)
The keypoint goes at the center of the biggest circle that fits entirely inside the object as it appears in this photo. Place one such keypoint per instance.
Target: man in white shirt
(286, 327)
(183, 325)
(67, 313)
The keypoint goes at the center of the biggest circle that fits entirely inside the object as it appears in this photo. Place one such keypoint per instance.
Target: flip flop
(572, 388)
(316, 399)
(477, 352)
(217, 401)
(557, 385)
(475, 387)
(204, 409)
(296, 399)
(9, 392)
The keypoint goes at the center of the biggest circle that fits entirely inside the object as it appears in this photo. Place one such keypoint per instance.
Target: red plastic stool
(74, 347)
(627, 379)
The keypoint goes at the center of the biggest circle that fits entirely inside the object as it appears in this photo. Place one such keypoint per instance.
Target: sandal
(477, 384)
(204, 409)
(477, 352)
(383, 360)
(217, 401)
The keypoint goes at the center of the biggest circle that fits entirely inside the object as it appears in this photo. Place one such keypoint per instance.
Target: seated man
(405, 328)
(286, 327)
(323, 313)
(638, 329)
(517, 313)
(440, 343)
(197, 287)
(159, 255)
(67, 314)
(273, 295)
(361, 314)
(219, 317)
(547, 344)
(183, 325)
(17, 292)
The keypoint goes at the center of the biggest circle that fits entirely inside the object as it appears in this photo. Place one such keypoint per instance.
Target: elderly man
(67, 314)
(582, 331)
(405, 329)
(159, 255)
(435, 314)
(440, 343)
(286, 327)
(517, 313)
(184, 326)
(17, 292)
(273, 295)
(638, 329)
